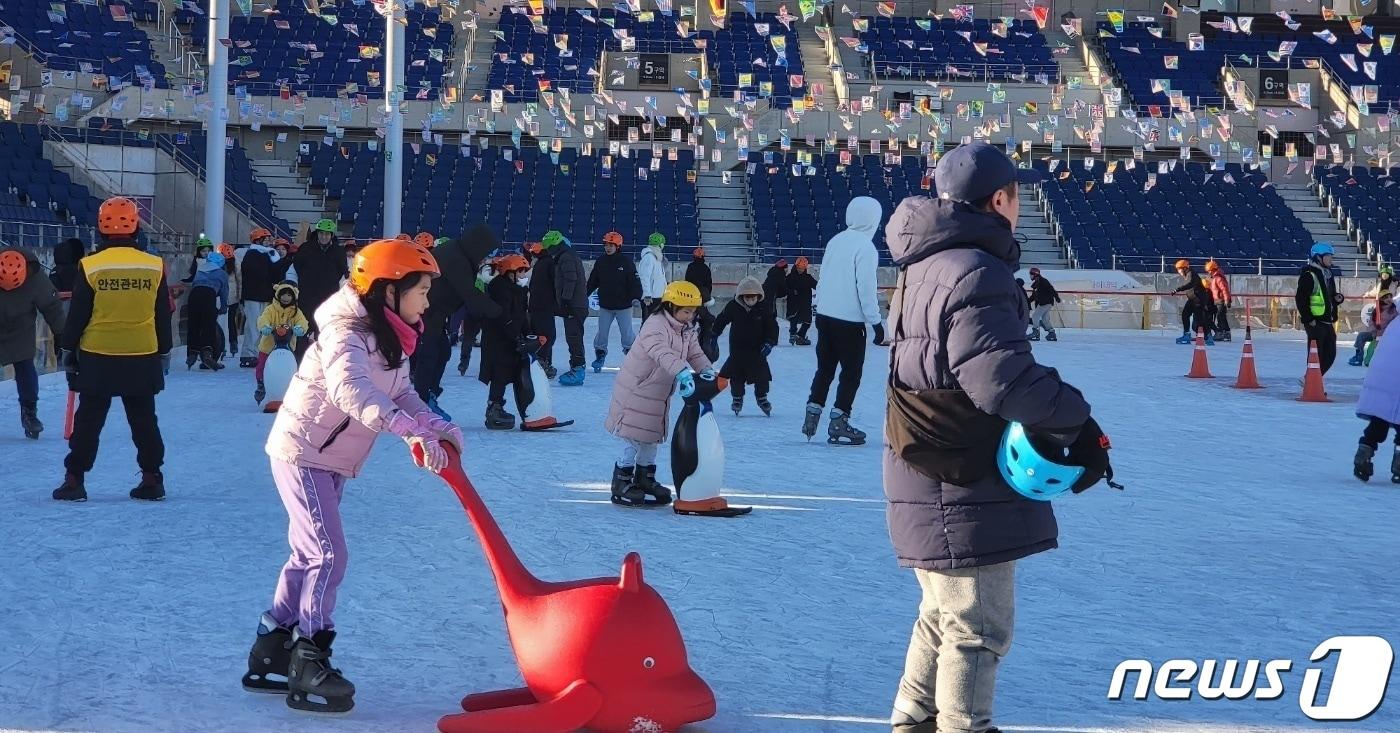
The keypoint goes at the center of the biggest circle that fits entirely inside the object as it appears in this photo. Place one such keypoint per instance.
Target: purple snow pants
(306, 589)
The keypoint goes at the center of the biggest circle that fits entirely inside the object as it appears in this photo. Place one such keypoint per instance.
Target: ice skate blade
(728, 512)
(264, 686)
(844, 441)
(646, 504)
(307, 704)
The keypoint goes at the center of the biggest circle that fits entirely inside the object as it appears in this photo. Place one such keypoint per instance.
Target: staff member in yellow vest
(1317, 301)
(117, 333)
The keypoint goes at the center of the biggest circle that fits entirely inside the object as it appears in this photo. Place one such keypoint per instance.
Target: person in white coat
(652, 270)
(846, 304)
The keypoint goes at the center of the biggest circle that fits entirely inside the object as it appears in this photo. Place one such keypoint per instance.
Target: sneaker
(151, 488)
(72, 488)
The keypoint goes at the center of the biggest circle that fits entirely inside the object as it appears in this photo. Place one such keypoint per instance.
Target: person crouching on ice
(352, 385)
(753, 338)
(666, 353)
(504, 342)
(281, 325)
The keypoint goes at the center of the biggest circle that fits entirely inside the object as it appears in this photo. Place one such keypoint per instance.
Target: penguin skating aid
(281, 366)
(697, 456)
(537, 410)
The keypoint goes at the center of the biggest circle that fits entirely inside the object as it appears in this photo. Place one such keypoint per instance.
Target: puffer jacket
(342, 396)
(641, 397)
(276, 315)
(651, 268)
(960, 360)
(18, 308)
(1380, 392)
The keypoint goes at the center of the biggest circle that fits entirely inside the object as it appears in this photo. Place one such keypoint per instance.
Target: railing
(167, 145)
(1146, 310)
(41, 236)
(1233, 265)
(964, 72)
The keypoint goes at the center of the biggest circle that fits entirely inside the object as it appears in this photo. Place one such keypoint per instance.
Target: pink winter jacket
(641, 397)
(342, 396)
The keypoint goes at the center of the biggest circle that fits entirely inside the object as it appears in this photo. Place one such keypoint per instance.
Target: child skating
(503, 342)
(800, 287)
(281, 325)
(665, 355)
(352, 385)
(24, 293)
(1379, 406)
(1374, 319)
(753, 337)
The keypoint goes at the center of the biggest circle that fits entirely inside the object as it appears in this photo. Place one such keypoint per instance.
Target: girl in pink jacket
(352, 385)
(666, 353)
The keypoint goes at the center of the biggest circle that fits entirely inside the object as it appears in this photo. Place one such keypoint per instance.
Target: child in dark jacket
(504, 342)
(754, 336)
(800, 286)
(209, 298)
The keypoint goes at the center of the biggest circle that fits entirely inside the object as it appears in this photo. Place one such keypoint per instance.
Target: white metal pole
(394, 53)
(216, 86)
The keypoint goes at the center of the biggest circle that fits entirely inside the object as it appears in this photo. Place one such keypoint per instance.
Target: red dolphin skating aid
(603, 654)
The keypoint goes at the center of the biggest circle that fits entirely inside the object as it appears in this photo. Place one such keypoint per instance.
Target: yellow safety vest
(125, 283)
(1317, 303)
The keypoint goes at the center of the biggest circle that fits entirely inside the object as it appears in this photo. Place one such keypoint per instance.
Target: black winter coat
(1196, 291)
(542, 296)
(774, 287)
(570, 283)
(116, 376)
(752, 328)
(460, 260)
(615, 279)
(1043, 293)
(698, 273)
(65, 263)
(259, 273)
(501, 334)
(800, 286)
(319, 272)
(19, 308)
(1307, 283)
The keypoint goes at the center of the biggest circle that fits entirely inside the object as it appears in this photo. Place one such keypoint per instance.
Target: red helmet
(257, 235)
(118, 216)
(510, 263)
(390, 259)
(13, 270)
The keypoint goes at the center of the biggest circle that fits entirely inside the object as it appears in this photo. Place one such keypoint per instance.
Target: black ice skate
(810, 420)
(1050, 336)
(1035, 335)
(738, 405)
(462, 367)
(549, 371)
(644, 491)
(765, 405)
(803, 341)
(269, 658)
(840, 432)
(29, 419)
(1361, 465)
(72, 488)
(624, 491)
(313, 684)
(207, 360)
(1395, 467)
(497, 418)
(260, 393)
(151, 488)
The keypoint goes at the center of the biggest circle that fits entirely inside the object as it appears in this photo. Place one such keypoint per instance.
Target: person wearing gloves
(846, 304)
(116, 341)
(1043, 300)
(1220, 297)
(571, 298)
(506, 342)
(753, 338)
(1196, 311)
(281, 324)
(800, 286)
(961, 371)
(24, 294)
(614, 282)
(461, 262)
(651, 268)
(1318, 299)
(352, 385)
(260, 267)
(666, 355)
(321, 265)
(208, 299)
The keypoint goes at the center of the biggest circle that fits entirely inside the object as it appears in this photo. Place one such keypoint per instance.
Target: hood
(652, 252)
(921, 227)
(207, 266)
(345, 305)
(476, 243)
(68, 252)
(863, 214)
(749, 286)
(269, 251)
(278, 289)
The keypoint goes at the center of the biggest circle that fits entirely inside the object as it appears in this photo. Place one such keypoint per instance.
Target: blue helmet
(1321, 249)
(215, 259)
(1028, 472)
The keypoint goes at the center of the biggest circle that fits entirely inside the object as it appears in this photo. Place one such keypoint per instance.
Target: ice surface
(1242, 535)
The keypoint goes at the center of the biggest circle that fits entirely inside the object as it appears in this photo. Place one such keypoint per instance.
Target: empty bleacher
(78, 36)
(928, 48)
(38, 205)
(1370, 198)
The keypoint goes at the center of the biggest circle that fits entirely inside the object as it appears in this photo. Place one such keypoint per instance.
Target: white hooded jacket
(652, 271)
(846, 290)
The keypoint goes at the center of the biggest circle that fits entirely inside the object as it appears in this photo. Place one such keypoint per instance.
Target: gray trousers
(964, 629)
(1040, 318)
(248, 340)
(623, 319)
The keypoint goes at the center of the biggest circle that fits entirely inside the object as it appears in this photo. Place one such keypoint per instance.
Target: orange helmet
(390, 259)
(1211, 266)
(510, 263)
(13, 270)
(425, 239)
(283, 242)
(699, 252)
(1183, 265)
(612, 238)
(534, 248)
(118, 216)
(801, 263)
(258, 234)
(226, 250)
(405, 237)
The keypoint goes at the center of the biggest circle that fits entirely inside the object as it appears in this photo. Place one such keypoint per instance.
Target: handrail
(167, 145)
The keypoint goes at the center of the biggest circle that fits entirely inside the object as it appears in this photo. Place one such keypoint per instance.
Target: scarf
(408, 335)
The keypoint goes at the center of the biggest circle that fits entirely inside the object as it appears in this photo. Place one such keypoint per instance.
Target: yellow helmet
(682, 293)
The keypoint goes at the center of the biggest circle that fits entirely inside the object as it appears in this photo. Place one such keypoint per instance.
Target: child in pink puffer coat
(666, 353)
(352, 385)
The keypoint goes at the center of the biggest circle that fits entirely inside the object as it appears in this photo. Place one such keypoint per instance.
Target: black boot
(151, 488)
(657, 493)
(1361, 465)
(310, 674)
(269, 658)
(624, 491)
(29, 419)
(497, 418)
(72, 488)
(765, 405)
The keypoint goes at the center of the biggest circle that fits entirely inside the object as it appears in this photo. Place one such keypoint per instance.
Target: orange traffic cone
(1312, 380)
(1247, 378)
(1200, 369)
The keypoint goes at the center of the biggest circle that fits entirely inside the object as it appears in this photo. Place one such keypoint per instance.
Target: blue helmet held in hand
(1029, 472)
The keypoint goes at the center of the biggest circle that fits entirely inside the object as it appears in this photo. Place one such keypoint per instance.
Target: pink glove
(430, 423)
(434, 457)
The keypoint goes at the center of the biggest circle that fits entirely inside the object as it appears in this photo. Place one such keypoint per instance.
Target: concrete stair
(1325, 226)
(289, 195)
(726, 231)
(1041, 249)
(817, 68)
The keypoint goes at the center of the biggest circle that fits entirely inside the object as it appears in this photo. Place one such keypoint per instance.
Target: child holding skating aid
(665, 355)
(352, 385)
(504, 341)
(754, 335)
(281, 324)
